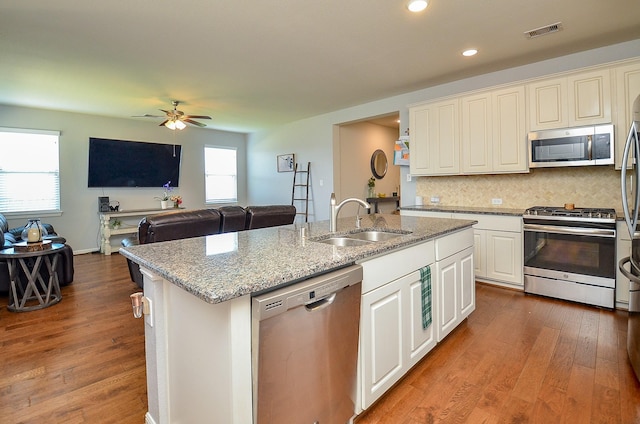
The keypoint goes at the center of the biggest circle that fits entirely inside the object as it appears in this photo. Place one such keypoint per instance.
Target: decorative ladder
(301, 194)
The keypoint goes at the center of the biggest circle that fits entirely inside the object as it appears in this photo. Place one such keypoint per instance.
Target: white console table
(106, 231)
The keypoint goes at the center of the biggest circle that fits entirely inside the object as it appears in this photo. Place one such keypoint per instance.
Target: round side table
(34, 293)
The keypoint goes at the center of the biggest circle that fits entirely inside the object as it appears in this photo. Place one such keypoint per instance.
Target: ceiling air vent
(543, 30)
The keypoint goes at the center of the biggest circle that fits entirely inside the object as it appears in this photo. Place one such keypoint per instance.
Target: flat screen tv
(122, 163)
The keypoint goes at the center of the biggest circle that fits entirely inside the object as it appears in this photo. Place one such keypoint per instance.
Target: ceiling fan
(175, 119)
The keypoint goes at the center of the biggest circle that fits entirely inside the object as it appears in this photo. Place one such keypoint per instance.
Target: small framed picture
(285, 162)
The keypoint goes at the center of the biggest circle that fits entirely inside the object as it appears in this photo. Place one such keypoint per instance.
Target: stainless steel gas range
(570, 253)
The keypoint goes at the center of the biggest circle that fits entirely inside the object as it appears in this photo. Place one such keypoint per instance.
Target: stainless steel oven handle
(557, 229)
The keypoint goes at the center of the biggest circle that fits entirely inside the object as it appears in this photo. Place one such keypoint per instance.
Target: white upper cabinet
(548, 104)
(486, 132)
(435, 139)
(627, 80)
(509, 130)
(494, 132)
(477, 134)
(576, 100)
(589, 98)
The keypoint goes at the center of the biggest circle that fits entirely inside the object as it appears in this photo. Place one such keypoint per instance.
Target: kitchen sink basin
(344, 241)
(374, 235)
(361, 238)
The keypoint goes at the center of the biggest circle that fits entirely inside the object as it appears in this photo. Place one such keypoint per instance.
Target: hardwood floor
(80, 361)
(517, 359)
(521, 359)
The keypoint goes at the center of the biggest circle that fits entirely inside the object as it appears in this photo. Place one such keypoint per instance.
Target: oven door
(584, 251)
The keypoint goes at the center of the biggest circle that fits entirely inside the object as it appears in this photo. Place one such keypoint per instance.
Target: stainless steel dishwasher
(305, 350)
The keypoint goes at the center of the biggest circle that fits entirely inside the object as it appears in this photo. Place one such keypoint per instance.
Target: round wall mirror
(379, 164)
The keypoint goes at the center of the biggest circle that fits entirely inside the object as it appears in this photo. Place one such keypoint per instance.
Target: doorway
(356, 143)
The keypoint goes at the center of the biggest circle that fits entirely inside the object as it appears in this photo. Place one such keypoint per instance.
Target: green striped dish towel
(425, 285)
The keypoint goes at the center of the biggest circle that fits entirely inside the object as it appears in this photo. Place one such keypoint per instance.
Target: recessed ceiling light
(469, 52)
(417, 5)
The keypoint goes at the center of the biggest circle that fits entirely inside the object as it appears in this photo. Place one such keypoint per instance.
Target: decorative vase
(33, 231)
(371, 192)
(165, 204)
(176, 204)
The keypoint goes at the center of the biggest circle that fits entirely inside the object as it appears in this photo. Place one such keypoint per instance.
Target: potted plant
(164, 199)
(116, 223)
(372, 186)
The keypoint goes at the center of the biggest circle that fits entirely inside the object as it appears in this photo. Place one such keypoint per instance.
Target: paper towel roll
(419, 201)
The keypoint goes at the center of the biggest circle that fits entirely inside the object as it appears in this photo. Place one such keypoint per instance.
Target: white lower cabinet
(498, 248)
(455, 281)
(392, 337)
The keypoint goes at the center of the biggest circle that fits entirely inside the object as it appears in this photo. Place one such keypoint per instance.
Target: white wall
(78, 222)
(316, 139)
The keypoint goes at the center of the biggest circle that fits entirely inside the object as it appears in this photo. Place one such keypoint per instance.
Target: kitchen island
(198, 331)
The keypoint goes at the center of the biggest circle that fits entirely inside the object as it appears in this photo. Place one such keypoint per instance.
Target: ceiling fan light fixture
(417, 5)
(180, 125)
(170, 124)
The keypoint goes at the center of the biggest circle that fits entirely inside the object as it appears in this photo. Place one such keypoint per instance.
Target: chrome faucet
(333, 220)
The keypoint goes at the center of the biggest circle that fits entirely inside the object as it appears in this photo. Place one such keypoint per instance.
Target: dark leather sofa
(175, 225)
(14, 235)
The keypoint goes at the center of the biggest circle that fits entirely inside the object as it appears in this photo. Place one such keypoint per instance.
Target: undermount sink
(374, 235)
(361, 238)
(344, 241)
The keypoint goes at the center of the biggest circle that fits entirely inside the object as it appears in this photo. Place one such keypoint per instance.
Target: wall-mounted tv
(123, 163)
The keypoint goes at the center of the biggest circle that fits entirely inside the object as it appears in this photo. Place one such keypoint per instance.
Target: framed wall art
(285, 162)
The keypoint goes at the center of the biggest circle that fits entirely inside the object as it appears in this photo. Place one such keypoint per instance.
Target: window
(220, 175)
(29, 171)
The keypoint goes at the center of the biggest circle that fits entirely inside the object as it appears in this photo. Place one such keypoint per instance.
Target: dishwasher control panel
(305, 292)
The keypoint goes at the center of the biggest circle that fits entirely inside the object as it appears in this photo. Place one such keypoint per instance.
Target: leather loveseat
(180, 224)
(14, 235)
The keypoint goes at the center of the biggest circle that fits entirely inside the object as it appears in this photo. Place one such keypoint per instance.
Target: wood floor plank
(579, 399)
(606, 405)
(535, 368)
(586, 349)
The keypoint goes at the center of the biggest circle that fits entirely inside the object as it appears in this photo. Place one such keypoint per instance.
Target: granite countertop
(221, 267)
(464, 209)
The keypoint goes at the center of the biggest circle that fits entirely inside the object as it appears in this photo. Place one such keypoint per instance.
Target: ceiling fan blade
(193, 122)
(146, 115)
(164, 122)
(197, 116)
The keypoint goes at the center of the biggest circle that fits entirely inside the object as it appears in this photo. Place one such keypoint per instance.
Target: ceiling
(256, 64)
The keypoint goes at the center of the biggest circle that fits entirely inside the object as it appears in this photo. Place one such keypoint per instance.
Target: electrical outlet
(435, 199)
(321, 183)
(496, 201)
(408, 178)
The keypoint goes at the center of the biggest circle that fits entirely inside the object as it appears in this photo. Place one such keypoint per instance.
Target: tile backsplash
(589, 186)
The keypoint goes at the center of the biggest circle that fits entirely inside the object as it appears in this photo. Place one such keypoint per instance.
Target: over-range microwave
(579, 146)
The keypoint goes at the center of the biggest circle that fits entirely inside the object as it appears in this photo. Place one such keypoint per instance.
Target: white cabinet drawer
(381, 270)
(453, 243)
(493, 222)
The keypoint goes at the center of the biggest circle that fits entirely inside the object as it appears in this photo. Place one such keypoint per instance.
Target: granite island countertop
(221, 267)
(464, 209)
